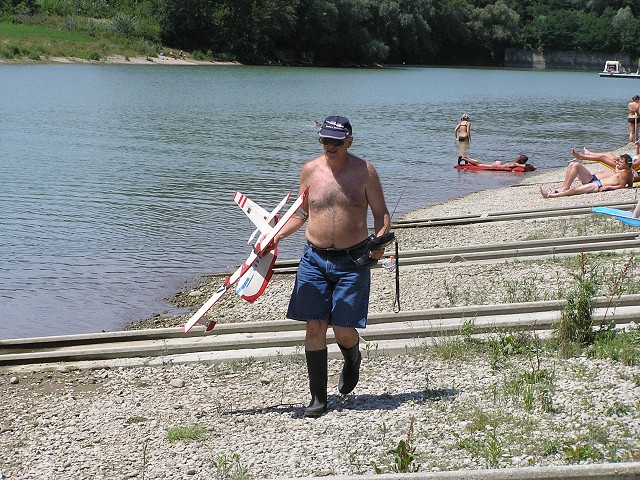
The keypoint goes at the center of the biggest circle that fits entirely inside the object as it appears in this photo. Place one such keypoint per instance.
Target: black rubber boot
(351, 369)
(317, 369)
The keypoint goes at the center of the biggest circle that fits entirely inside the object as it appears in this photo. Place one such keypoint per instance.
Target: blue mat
(622, 215)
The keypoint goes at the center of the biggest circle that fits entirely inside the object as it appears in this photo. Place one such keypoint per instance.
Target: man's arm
(295, 222)
(636, 211)
(375, 198)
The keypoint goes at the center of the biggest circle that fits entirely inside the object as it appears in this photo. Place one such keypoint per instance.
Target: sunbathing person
(619, 178)
(606, 158)
(521, 161)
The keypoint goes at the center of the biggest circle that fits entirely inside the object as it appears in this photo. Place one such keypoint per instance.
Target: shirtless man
(619, 178)
(521, 161)
(462, 132)
(330, 288)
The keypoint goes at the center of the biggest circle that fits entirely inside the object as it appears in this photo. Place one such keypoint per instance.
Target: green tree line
(359, 32)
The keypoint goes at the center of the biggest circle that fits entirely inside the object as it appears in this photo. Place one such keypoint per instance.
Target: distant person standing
(462, 131)
(633, 108)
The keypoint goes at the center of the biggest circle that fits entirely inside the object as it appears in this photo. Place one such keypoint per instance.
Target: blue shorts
(330, 287)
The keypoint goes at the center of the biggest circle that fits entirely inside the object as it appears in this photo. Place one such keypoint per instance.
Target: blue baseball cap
(336, 127)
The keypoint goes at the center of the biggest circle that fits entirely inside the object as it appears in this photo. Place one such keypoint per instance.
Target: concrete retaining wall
(568, 60)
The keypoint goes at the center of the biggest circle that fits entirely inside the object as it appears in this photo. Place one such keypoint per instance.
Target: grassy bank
(41, 38)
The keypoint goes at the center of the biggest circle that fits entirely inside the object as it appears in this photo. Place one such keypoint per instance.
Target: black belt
(339, 252)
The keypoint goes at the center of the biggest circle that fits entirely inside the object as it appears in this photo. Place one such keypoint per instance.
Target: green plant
(136, 419)
(371, 349)
(185, 434)
(230, 468)
(493, 448)
(580, 453)
(468, 328)
(355, 461)
(616, 289)
(620, 346)
(451, 293)
(532, 388)
(383, 429)
(576, 318)
(403, 455)
(524, 290)
(485, 443)
(505, 344)
(618, 409)
(451, 347)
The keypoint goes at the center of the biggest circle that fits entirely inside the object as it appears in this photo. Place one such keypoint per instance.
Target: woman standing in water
(462, 131)
(633, 108)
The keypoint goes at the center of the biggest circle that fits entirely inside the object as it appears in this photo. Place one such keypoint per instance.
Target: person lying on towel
(621, 177)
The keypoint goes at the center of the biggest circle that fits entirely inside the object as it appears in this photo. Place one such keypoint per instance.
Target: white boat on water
(615, 69)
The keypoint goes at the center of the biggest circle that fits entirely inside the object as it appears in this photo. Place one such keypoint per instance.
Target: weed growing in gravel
(580, 453)
(620, 346)
(467, 329)
(484, 441)
(383, 429)
(504, 344)
(576, 318)
(185, 434)
(452, 347)
(451, 293)
(371, 350)
(522, 290)
(354, 459)
(136, 419)
(403, 455)
(230, 468)
(233, 367)
(532, 388)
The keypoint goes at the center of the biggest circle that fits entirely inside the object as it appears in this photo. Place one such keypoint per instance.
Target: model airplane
(256, 271)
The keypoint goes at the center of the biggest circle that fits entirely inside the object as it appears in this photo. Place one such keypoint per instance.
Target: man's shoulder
(313, 162)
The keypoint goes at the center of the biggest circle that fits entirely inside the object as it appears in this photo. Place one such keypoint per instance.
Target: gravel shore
(466, 404)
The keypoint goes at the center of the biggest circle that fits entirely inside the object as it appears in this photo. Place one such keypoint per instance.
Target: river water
(116, 181)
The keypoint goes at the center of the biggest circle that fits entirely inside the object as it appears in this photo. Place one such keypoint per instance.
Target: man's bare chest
(331, 193)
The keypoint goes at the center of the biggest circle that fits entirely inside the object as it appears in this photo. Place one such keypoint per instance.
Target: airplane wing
(262, 219)
(255, 212)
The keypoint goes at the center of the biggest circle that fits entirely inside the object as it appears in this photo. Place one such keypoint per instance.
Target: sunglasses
(331, 141)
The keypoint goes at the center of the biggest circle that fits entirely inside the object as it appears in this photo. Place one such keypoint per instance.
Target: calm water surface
(116, 182)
